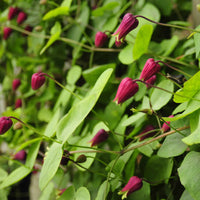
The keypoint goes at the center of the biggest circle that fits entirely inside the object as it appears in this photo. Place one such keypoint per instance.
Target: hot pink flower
(151, 81)
(128, 23)
(147, 129)
(127, 88)
(18, 103)
(100, 137)
(5, 124)
(37, 80)
(21, 17)
(134, 184)
(15, 84)
(165, 126)
(100, 39)
(6, 32)
(21, 155)
(12, 12)
(150, 68)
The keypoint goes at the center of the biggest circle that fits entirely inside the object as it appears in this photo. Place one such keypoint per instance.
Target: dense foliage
(99, 104)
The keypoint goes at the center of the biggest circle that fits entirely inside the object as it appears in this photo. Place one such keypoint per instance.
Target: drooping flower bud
(127, 88)
(21, 155)
(6, 32)
(21, 17)
(150, 68)
(5, 124)
(147, 129)
(118, 43)
(18, 103)
(37, 80)
(64, 160)
(100, 137)
(150, 81)
(100, 39)
(134, 184)
(15, 84)
(128, 23)
(17, 126)
(12, 12)
(61, 191)
(165, 126)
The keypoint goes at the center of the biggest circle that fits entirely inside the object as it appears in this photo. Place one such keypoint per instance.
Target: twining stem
(35, 130)
(66, 40)
(174, 68)
(154, 139)
(169, 25)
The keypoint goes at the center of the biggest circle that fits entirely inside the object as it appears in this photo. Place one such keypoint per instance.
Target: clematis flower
(21, 155)
(134, 184)
(6, 32)
(118, 43)
(27, 28)
(127, 88)
(128, 23)
(165, 126)
(147, 129)
(15, 84)
(21, 17)
(5, 124)
(150, 68)
(150, 81)
(12, 12)
(100, 137)
(100, 39)
(18, 103)
(37, 80)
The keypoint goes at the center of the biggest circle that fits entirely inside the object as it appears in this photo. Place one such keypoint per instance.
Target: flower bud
(61, 191)
(37, 80)
(64, 160)
(18, 103)
(100, 39)
(100, 137)
(6, 32)
(127, 88)
(165, 126)
(21, 17)
(118, 43)
(134, 184)
(21, 155)
(5, 124)
(81, 159)
(147, 129)
(150, 81)
(150, 69)
(128, 23)
(17, 126)
(12, 12)
(15, 84)
(27, 28)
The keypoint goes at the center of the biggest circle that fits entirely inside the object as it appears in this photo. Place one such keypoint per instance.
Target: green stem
(169, 25)
(35, 130)
(154, 139)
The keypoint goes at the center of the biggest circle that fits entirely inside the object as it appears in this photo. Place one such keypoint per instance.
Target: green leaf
(51, 127)
(158, 169)
(126, 54)
(165, 6)
(186, 196)
(15, 176)
(142, 41)
(91, 75)
(25, 144)
(63, 10)
(173, 145)
(79, 111)
(51, 164)
(46, 194)
(189, 173)
(73, 74)
(160, 98)
(3, 174)
(194, 137)
(197, 42)
(143, 194)
(82, 194)
(69, 194)
(32, 154)
(190, 88)
(103, 191)
(55, 34)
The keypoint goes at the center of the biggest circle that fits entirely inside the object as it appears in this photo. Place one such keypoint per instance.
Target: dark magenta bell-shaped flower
(100, 39)
(100, 137)
(5, 124)
(37, 80)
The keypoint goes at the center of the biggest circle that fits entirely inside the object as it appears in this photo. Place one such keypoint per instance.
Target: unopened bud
(81, 159)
